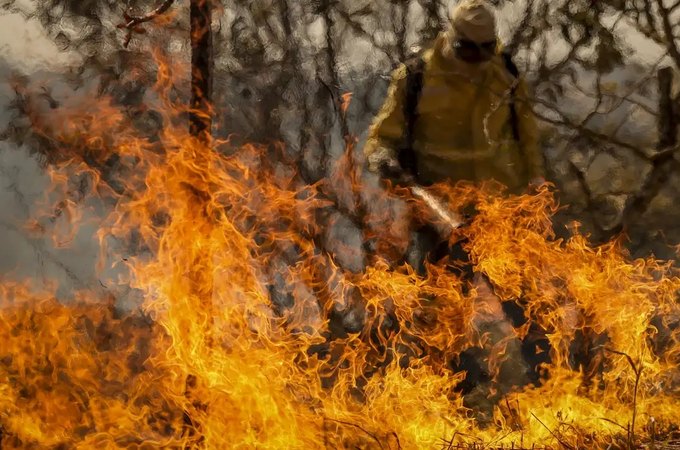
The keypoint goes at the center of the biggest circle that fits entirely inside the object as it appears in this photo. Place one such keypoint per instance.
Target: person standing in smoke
(459, 111)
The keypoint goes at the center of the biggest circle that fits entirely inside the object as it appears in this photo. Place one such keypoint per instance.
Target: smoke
(45, 260)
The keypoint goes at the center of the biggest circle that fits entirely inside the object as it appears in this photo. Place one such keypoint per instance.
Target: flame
(236, 345)
(345, 100)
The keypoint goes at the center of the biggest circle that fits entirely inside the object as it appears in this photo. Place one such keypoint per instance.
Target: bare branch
(132, 22)
(362, 32)
(674, 6)
(584, 131)
(637, 369)
(557, 438)
(672, 46)
(514, 42)
(651, 20)
(358, 427)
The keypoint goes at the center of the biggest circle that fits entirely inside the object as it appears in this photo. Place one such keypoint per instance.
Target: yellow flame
(218, 365)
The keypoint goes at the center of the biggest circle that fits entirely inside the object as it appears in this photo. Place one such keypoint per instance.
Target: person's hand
(385, 163)
(390, 169)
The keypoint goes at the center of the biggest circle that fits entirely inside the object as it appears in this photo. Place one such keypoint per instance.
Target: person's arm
(387, 131)
(528, 134)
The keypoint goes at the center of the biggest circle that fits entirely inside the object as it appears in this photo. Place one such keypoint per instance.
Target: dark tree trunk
(664, 163)
(200, 119)
(332, 67)
(293, 55)
(200, 125)
(668, 119)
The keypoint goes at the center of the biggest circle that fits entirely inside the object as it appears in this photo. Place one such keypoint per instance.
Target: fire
(235, 346)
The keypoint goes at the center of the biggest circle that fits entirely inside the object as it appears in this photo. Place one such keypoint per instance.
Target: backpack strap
(414, 86)
(511, 67)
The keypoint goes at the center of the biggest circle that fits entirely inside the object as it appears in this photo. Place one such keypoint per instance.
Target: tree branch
(674, 6)
(524, 25)
(668, 32)
(132, 22)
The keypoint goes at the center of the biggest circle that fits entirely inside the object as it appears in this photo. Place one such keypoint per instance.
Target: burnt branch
(200, 116)
(516, 38)
(132, 23)
(360, 31)
(359, 427)
(637, 369)
(564, 121)
(674, 6)
(672, 46)
(555, 435)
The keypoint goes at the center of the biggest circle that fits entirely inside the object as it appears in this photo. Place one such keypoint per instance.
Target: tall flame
(235, 348)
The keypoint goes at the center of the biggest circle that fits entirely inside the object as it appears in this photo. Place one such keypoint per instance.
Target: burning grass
(235, 347)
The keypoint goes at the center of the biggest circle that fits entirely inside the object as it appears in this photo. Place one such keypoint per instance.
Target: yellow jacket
(463, 130)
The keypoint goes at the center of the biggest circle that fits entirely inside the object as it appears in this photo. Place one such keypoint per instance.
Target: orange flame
(345, 100)
(237, 348)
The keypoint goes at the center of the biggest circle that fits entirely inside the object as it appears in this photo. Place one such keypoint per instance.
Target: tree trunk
(664, 163)
(668, 119)
(200, 119)
(200, 125)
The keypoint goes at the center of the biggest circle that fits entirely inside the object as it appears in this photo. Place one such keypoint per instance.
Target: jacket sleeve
(528, 132)
(387, 131)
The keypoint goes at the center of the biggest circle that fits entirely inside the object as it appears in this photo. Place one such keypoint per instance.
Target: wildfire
(235, 348)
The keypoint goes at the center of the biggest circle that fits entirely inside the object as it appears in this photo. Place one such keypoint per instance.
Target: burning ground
(251, 335)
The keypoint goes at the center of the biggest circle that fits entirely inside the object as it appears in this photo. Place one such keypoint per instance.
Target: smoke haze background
(279, 92)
